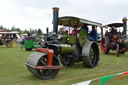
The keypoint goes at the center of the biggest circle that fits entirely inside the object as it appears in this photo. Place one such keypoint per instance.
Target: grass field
(14, 72)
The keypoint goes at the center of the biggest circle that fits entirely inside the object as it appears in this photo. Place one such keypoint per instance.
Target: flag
(123, 75)
(104, 79)
(69, 29)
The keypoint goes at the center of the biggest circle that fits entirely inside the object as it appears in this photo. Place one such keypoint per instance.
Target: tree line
(32, 31)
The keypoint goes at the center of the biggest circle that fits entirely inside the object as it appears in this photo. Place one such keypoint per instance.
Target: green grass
(14, 72)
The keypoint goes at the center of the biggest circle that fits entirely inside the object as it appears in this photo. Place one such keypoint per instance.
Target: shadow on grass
(113, 54)
(3, 47)
(23, 50)
(76, 66)
(32, 77)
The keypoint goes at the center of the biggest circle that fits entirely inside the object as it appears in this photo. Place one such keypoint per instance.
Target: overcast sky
(34, 14)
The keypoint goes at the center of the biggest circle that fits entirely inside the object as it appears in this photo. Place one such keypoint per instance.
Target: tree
(25, 31)
(32, 32)
(35, 31)
(13, 28)
(1, 27)
(39, 32)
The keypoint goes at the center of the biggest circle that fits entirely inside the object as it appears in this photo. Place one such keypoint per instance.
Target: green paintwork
(83, 37)
(36, 46)
(28, 43)
(66, 49)
(31, 44)
(65, 36)
(72, 39)
(104, 79)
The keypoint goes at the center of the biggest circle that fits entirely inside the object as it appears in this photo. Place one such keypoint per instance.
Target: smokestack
(47, 29)
(55, 19)
(125, 25)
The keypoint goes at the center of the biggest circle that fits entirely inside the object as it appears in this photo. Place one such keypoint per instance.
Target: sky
(26, 14)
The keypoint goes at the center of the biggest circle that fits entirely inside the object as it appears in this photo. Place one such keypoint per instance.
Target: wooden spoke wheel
(13, 44)
(105, 45)
(117, 50)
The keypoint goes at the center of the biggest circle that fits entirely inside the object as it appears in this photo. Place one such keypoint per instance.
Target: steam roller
(67, 50)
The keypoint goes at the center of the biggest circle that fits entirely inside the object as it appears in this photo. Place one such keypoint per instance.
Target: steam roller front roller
(90, 54)
(43, 64)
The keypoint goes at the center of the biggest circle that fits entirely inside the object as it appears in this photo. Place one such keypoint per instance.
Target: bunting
(103, 79)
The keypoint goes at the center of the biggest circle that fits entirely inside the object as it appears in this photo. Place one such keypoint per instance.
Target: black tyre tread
(117, 50)
(54, 72)
(7, 45)
(107, 45)
(96, 52)
(122, 52)
(90, 60)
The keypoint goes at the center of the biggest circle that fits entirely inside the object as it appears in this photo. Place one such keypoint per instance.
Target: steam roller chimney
(125, 25)
(55, 19)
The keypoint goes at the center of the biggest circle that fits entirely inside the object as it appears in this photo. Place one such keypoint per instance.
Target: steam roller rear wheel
(13, 44)
(90, 54)
(8, 44)
(117, 50)
(122, 52)
(40, 59)
(105, 45)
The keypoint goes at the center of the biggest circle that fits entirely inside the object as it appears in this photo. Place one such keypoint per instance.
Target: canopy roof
(72, 21)
(9, 32)
(114, 25)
